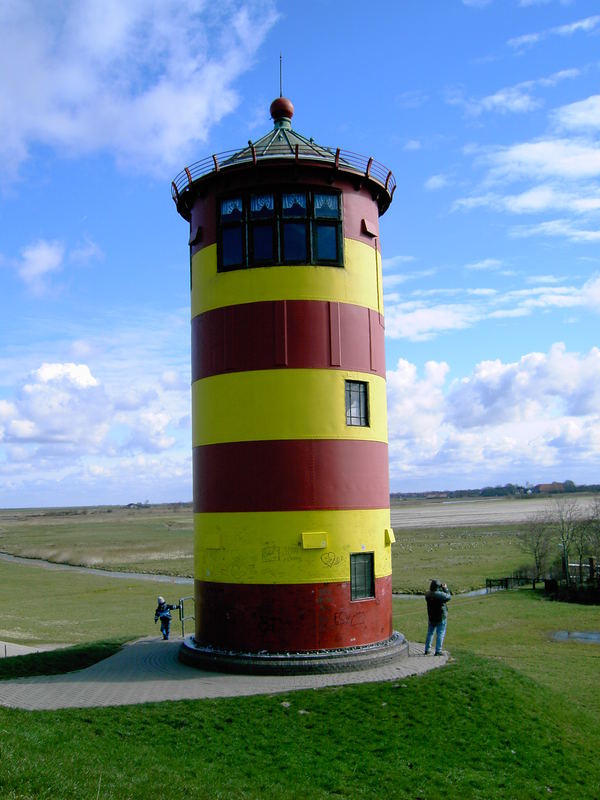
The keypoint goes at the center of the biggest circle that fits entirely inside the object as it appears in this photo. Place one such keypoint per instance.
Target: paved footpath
(148, 671)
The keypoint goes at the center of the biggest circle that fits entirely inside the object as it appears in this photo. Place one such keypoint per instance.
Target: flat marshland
(515, 715)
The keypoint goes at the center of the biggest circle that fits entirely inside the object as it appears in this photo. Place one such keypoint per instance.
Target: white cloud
(41, 261)
(584, 114)
(523, 418)
(394, 261)
(38, 261)
(526, 3)
(558, 158)
(102, 425)
(420, 316)
(419, 322)
(412, 144)
(485, 264)
(587, 24)
(558, 227)
(436, 182)
(86, 252)
(517, 99)
(142, 81)
(544, 197)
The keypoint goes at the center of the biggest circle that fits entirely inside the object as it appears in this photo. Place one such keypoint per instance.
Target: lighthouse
(292, 533)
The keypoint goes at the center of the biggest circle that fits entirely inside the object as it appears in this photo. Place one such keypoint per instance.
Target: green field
(39, 606)
(160, 540)
(515, 715)
(462, 557)
(155, 540)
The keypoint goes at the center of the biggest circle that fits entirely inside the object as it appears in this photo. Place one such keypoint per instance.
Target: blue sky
(488, 113)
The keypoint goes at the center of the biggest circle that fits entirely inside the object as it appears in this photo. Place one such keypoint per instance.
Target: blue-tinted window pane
(232, 253)
(327, 206)
(262, 243)
(293, 204)
(231, 209)
(294, 241)
(327, 243)
(261, 206)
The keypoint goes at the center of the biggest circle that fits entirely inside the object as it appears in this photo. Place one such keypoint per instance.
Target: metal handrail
(344, 160)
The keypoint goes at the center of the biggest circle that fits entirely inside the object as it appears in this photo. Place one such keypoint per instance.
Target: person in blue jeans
(437, 598)
(163, 613)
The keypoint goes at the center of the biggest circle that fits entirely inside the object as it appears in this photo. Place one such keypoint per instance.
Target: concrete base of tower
(345, 659)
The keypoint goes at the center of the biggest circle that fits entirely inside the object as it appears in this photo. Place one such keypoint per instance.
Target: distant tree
(536, 539)
(593, 529)
(582, 540)
(566, 516)
(569, 486)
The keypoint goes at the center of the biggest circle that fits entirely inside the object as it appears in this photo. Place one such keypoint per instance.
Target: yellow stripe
(266, 547)
(358, 283)
(282, 404)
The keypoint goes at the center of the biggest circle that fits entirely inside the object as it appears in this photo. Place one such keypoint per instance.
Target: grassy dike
(476, 729)
(514, 716)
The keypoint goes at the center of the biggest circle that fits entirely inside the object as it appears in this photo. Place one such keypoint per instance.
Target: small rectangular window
(362, 576)
(357, 403)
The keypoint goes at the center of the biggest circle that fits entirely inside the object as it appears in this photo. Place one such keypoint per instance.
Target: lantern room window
(265, 228)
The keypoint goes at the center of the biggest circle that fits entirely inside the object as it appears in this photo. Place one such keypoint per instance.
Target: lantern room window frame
(283, 226)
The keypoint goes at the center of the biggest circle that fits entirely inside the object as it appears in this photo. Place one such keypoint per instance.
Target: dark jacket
(436, 599)
(163, 610)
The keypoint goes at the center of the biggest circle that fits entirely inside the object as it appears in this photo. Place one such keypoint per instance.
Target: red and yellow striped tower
(291, 491)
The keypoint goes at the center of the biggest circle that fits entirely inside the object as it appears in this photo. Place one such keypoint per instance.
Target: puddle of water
(589, 637)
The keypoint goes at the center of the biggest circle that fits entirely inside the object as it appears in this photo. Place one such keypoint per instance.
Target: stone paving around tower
(148, 671)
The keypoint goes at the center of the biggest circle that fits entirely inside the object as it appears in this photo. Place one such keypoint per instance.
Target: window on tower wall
(260, 229)
(357, 403)
(362, 576)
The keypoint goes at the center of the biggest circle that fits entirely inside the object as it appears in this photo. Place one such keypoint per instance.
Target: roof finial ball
(282, 111)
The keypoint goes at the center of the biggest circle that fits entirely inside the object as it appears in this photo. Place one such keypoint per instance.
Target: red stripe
(291, 475)
(301, 334)
(290, 618)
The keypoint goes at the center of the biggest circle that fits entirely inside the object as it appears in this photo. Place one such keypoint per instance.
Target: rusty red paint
(290, 617)
(291, 475)
(300, 334)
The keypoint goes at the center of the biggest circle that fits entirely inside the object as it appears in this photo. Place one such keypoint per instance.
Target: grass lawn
(39, 606)
(156, 540)
(515, 628)
(462, 557)
(515, 716)
(476, 729)
(160, 540)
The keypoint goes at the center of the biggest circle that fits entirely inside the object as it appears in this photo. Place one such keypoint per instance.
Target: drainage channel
(105, 573)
